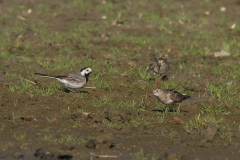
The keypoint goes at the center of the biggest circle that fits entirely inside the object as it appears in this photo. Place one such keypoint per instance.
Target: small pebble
(222, 9)
(29, 11)
(233, 26)
(229, 82)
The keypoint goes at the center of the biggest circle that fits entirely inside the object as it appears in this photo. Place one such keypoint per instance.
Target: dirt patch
(120, 119)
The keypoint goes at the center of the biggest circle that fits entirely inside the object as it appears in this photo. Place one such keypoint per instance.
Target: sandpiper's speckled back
(169, 96)
(160, 66)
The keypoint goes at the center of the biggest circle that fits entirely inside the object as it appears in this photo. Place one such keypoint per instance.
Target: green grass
(60, 140)
(58, 38)
(82, 4)
(141, 156)
(2, 128)
(102, 84)
(27, 86)
(77, 123)
(57, 63)
(225, 93)
(136, 40)
(15, 118)
(19, 136)
(213, 109)
(5, 55)
(70, 36)
(124, 104)
(143, 73)
(160, 117)
(151, 16)
(200, 120)
(139, 120)
(108, 6)
(226, 136)
(103, 100)
(109, 124)
(43, 10)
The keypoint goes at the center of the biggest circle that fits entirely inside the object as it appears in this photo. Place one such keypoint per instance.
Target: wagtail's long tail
(44, 75)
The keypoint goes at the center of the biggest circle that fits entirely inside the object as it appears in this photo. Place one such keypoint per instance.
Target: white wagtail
(72, 80)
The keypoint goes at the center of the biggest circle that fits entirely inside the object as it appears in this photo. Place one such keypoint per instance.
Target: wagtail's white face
(86, 71)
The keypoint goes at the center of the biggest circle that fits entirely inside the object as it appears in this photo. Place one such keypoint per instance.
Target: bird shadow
(85, 92)
(165, 78)
(66, 90)
(170, 111)
(164, 111)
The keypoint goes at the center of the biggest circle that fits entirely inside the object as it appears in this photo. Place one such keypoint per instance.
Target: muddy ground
(119, 119)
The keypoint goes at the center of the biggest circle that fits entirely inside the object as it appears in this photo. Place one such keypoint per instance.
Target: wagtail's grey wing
(73, 80)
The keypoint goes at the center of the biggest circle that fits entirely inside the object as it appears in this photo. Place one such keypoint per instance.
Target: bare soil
(53, 127)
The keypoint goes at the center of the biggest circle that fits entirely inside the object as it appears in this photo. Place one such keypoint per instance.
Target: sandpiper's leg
(166, 109)
(160, 76)
(158, 81)
(178, 109)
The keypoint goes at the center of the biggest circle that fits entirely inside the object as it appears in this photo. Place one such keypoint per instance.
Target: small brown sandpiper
(169, 96)
(160, 66)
